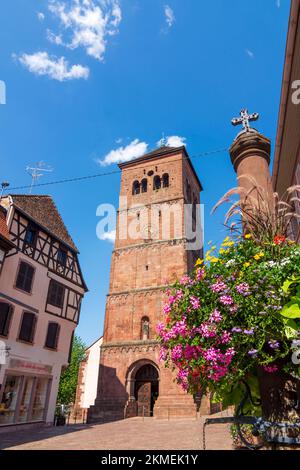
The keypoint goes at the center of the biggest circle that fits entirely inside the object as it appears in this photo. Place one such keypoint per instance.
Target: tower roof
(162, 152)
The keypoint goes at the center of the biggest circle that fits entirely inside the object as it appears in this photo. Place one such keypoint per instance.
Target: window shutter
(8, 321)
(28, 278)
(52, 335)
(25, 277)
(5, 317)
(28, 327)
(56, 294)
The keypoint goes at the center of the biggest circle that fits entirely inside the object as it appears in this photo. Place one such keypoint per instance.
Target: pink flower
(195, 302)
(167, 309)
(226, 337)
(162, 354)
(271, 368)
(200, 274)
(176, 353)
(207, 330)
(215, 317)
(243, 289)
(185, 280)
(226, 300)
(219, 286)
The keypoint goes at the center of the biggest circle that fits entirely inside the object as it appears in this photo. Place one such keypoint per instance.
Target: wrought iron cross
(245, 119)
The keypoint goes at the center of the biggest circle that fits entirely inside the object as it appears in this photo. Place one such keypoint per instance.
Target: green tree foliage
(68, 379)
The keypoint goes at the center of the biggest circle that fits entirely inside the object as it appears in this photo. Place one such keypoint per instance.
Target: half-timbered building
(41, 288)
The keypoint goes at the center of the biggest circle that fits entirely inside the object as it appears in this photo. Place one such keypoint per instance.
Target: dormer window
(62, 256)
(30, 237)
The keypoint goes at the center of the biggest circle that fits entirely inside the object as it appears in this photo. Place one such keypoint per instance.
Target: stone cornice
(151, 243)
(136, 291)
(129, 344)
(249, 144)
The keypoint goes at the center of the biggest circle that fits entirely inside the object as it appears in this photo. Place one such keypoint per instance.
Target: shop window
(24, 410)
(52, 335)
(5, 318)
(28, 325)
(25, 277)
(56, 294)
(40, 399)
(9, 399)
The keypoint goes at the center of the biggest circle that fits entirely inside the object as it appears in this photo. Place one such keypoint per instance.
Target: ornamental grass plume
(264, 216)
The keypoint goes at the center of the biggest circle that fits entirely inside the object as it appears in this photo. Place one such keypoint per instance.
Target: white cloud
(249, 53)
(172, 141)
(124, 154)
(41, 16)
(54, 38)
(108, 236)
(86, 23)
(170, 17)
(56, 68)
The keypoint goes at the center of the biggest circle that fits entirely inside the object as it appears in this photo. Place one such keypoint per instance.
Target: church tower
(154, 247)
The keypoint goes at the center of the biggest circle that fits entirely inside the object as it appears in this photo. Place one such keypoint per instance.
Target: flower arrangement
(229, 317)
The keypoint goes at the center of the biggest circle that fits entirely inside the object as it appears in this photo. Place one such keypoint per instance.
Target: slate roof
(42, 210)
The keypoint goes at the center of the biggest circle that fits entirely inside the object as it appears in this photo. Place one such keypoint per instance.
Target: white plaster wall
(91, 375)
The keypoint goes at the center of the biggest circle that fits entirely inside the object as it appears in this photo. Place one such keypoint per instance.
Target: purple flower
(243, 289)
(253, 352)
(236, 329)
(273, 344)
(176, 352)
(249, 332)
(226, 300)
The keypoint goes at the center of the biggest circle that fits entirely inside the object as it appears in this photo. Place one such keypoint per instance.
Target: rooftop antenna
(4, 185)
(37, 172)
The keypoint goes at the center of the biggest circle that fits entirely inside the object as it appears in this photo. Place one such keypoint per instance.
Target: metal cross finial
(245, 119)
(163, 141)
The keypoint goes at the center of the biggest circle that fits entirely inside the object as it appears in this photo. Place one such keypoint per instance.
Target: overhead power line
(108, 173)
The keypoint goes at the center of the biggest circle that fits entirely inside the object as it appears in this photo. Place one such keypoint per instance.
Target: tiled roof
(4, 233)
(43, 211)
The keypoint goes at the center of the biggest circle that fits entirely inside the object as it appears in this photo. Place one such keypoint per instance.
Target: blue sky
(79, 88)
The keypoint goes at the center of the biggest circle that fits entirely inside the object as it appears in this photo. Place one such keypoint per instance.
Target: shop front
(25, 392)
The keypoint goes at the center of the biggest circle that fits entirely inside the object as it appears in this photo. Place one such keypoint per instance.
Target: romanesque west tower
(152, 250)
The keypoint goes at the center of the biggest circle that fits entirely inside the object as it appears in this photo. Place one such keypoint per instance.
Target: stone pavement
(129, 434)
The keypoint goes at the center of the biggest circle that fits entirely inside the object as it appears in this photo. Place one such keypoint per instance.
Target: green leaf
(291, 310)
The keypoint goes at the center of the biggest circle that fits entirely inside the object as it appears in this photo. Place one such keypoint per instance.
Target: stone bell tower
(152, 250)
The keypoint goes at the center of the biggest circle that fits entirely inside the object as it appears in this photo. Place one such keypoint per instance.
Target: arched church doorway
(146, 389)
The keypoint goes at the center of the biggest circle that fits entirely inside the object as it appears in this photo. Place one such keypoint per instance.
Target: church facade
(156, 244)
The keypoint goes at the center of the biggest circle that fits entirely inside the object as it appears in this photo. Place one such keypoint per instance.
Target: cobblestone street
(130, 434)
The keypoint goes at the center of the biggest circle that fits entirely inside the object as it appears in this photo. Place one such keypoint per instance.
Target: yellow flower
(248, 235)
(214, 259)
(246, 264)
(199, 262)
(222, 251)
(258, 256)
(213, 248)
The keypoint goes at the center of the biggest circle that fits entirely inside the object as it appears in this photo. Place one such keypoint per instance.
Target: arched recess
(136, 189)
(142, 385)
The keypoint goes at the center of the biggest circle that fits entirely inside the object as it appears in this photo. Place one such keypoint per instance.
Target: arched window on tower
(136, 188)
(156, 182)
(145, 328)
(144, 185)
(165, 179)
